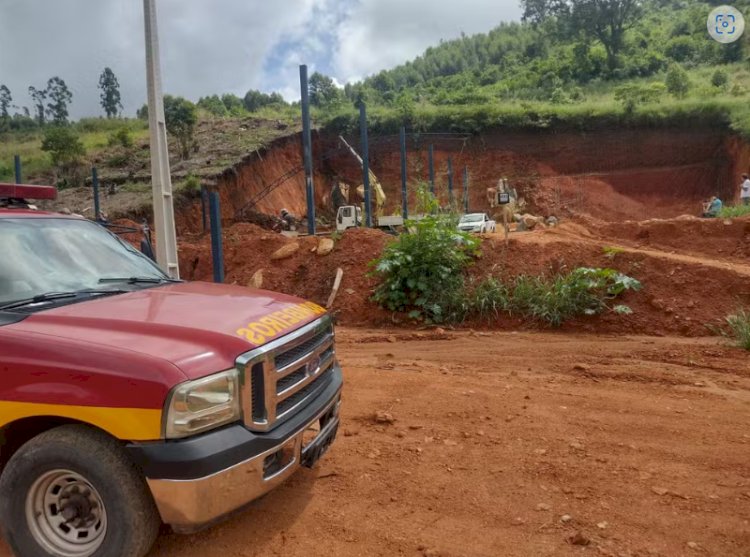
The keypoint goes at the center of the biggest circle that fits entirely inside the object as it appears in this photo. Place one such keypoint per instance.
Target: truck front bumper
(241, 465)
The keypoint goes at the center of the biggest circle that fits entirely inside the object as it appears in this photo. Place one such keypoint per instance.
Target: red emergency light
(25, 191)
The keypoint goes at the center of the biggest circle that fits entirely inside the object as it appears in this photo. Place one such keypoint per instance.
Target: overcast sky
(223, 46)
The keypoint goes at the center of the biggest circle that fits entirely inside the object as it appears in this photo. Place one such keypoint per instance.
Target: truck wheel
(72, 492)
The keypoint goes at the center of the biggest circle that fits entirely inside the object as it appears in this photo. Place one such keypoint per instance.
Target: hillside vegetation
(571, 64)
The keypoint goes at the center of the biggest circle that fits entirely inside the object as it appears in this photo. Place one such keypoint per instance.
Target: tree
(677, 82)
(63, 145)
(110, 95)
(233, 103)
(607, 21)
(323, 91)
(537, 11)
(38, 96)
(213, 105)
(5, 100)
(255, 100)
(59, 96)
(180, 116)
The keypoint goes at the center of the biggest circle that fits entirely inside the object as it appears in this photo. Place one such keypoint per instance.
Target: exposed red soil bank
(611, 175)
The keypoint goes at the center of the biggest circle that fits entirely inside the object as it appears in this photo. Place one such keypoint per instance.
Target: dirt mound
(716, 238)
(682, 293)
(248, 249)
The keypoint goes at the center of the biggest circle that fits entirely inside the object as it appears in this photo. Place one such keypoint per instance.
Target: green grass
(94, 134)
(739, 327)
(729, 212)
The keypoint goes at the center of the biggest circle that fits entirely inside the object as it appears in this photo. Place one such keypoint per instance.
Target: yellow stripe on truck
(127, 424)
(264, 329)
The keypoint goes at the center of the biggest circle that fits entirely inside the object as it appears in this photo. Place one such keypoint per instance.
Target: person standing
(745, 190)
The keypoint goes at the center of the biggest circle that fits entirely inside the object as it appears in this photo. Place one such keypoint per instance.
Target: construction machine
(377, 200)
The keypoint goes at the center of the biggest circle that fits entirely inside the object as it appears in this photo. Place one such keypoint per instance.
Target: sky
(223, 46)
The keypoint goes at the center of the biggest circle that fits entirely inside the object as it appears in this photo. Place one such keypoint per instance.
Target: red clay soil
(683, 291)
(610, 175)
(515, 445)
(248, 249)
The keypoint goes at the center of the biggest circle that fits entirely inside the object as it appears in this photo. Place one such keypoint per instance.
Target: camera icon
(725, 24)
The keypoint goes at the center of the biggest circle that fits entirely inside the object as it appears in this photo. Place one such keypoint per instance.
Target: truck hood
(199, 327)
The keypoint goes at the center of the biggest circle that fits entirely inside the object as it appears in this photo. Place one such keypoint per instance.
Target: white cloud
(380, 34)
(221, 46)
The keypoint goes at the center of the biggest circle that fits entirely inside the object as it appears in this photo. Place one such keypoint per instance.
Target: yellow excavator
(377, 199)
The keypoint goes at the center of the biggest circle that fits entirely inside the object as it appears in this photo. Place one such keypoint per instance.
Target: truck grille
(285, 374)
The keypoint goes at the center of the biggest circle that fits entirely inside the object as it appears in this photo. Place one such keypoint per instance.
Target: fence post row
(450, 181)
(95, 188)
(17, 167)
(307, 149)
(466, 189)
(404, 197)
(365, 162)
(217, 248)
(431, 165)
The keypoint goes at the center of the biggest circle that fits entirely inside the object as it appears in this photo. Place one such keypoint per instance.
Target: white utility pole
(161, 181)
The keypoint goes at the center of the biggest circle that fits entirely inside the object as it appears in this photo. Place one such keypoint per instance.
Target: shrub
(677, 81)
(63, 145)
(720, 79)
(729, 211)
(739, 327)
(583, 291)
(120, 138)
(634, 94)
(422, 270)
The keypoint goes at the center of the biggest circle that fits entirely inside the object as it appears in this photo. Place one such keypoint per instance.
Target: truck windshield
(42, 255)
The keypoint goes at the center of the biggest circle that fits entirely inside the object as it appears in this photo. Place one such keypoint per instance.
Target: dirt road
(517, 444)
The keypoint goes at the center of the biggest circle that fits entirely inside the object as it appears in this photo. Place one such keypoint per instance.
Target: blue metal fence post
(307, 149)
(204, 208)
(431, 164)
(466, 189)
(450, 181)
(95, 188)
(404, 199)
(17, 166)
(217, 247)
(365, 162)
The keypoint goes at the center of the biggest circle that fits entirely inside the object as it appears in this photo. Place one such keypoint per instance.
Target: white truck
(476, 222)
(350, 216)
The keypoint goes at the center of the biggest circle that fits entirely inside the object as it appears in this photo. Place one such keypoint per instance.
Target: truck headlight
(203, 404)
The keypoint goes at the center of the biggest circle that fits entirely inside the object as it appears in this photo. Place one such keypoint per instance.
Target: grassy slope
(703, 105)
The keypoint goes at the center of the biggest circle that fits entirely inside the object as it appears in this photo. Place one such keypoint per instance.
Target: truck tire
(72, 492)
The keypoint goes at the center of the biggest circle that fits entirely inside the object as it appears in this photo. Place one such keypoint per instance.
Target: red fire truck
(128, 399)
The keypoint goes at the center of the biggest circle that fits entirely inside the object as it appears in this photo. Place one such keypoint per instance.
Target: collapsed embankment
(611, 175)
(684, 292)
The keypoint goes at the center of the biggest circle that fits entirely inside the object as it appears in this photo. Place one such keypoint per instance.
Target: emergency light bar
(24, 191)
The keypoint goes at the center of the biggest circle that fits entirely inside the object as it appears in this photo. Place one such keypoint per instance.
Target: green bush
(732, 211)
(422, 271)
(634, 94)
(739, 327)
(583, 291)
(121, 138)
(720, 79)
(677, 81)
(63, 145)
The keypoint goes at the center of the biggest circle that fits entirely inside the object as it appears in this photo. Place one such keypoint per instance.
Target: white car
(476, 222)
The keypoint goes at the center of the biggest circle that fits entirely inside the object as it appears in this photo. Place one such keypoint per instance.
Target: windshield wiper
(52, 296)
(137, 280)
